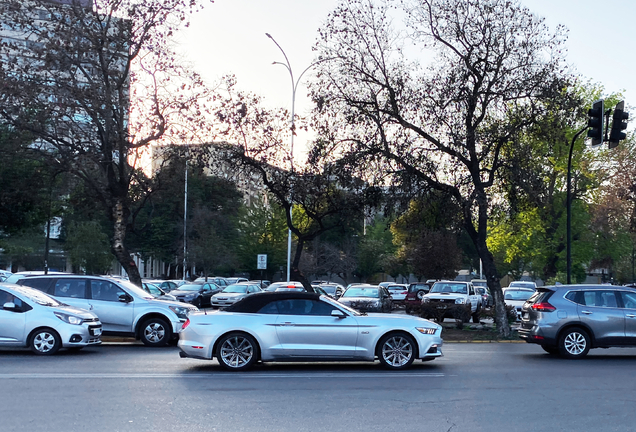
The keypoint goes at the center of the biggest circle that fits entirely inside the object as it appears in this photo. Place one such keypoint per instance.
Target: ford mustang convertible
(299, 326)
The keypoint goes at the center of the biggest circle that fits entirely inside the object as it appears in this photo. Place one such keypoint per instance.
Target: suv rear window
(540, 295)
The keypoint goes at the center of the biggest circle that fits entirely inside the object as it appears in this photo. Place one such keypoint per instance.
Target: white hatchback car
(30, 318)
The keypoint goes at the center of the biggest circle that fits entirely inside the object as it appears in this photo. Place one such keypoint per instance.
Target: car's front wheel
(237, 351)
(45, 341)
(574, 343)
(156, 332)
(397, 351)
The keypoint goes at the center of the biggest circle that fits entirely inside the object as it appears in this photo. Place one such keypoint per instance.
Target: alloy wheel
(575, 343)
(397, 351)
(154, 332)
(236, 352)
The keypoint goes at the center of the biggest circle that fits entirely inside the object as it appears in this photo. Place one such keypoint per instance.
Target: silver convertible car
(299, 326)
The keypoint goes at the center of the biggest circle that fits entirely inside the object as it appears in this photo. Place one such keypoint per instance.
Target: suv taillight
(543, 307)
(185, 324)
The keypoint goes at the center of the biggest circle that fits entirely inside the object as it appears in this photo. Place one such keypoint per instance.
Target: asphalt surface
(475, 387)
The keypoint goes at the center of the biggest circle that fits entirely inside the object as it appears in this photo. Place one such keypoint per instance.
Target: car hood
(82, 313)
(229, 295)
(406, 320)
(347, 300)
(442, 296)
(180, 293)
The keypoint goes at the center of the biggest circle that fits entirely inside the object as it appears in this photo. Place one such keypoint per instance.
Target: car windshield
(14, 278)
(132, 288)
(341, 306)
(190, 287)
(38, 297)
(530, 285)
(329, 289)
(153, 289)
(480, 283)
(517, 294)
(449, 287)
(480, 290)
(362, 292)
(236, 288)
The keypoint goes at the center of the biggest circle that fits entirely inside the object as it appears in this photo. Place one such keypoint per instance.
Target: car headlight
(425, 300)
(460, 300)
(70, 319)
(426, 331)
(181, 312)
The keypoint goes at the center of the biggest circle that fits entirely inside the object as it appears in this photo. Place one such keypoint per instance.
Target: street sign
(261, 262)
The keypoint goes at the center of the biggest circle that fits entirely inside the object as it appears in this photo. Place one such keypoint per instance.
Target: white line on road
(225, 375)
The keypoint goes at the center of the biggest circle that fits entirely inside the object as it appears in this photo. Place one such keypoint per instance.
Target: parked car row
(121, 307)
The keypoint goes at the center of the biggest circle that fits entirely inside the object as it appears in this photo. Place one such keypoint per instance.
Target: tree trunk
(295, 273)
(120, 222)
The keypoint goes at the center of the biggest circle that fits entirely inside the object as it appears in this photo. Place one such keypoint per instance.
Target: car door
(105, 298)
(72, 291)
(12, 321)
(306, 329)
(599, 310)
(387, 303)
(629, 305)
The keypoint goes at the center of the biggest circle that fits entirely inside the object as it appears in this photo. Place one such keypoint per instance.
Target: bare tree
(443, 125)
(96, 82)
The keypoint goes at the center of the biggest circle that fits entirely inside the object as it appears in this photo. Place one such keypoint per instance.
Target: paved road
(475, 387)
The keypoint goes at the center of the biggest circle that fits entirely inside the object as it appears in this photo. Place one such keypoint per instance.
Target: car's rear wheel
(45, 341)
(156, 332)
(550, 349)
(237, 351)
(574, 343)
(397, 351)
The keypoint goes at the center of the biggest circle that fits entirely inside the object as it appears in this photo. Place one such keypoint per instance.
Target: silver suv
(29, 318)
(123, 308)
(571, 319)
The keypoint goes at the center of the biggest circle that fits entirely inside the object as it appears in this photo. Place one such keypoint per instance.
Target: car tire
(574, 343)
(397, 351)
(420, 294)
(45, 341)
(237, 351)
(550, 349)
(155, 332)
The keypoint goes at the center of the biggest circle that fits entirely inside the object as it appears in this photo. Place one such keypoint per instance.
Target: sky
(228, 37)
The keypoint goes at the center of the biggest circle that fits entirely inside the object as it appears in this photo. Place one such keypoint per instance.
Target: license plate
(97, 332)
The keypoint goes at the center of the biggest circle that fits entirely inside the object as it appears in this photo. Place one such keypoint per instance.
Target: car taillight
(543, 307)
(185, 324)
(404, 292)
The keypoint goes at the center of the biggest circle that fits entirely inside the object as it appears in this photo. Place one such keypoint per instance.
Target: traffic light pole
(568, 205)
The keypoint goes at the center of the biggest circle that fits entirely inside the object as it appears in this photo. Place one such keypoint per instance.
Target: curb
(484, 341)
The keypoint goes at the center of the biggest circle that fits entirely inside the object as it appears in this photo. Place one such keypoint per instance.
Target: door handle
(586, 312)
(630, 316)
(288, 324)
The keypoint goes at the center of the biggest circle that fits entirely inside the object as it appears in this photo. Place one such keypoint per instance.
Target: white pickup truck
(443, 294)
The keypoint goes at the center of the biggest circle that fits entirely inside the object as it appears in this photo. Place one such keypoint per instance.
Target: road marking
(229, 375)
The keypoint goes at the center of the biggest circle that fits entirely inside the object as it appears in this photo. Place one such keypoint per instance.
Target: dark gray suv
(570, 319)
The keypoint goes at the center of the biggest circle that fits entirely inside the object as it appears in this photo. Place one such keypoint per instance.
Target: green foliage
(374, 248)
(88, 248)
(262, 230)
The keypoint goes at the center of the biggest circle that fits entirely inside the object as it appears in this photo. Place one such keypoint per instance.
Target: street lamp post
(294, 84)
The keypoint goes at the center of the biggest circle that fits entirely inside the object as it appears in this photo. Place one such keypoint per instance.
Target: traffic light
(596, 123)
(618, 125)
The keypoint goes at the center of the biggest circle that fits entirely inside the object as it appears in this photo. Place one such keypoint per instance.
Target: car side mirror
(125, 298)
(337, 313)
(9, 306)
